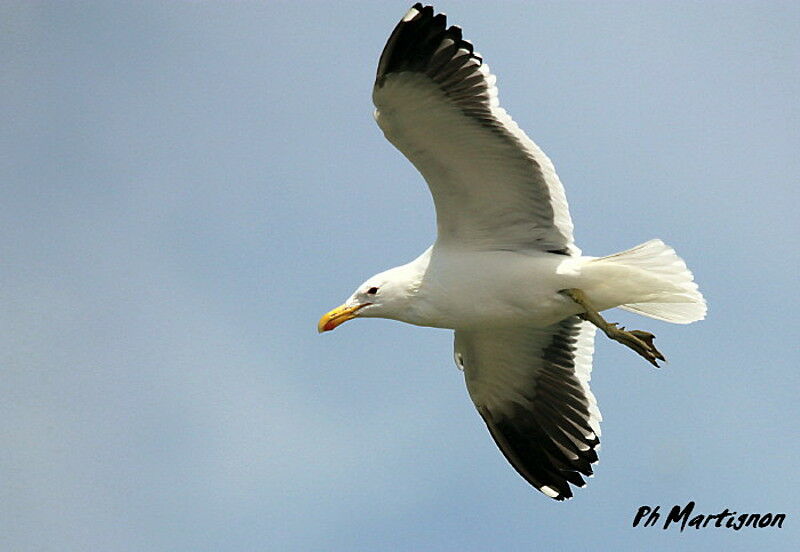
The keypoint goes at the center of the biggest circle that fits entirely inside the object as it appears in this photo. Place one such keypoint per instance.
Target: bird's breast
(474, 290)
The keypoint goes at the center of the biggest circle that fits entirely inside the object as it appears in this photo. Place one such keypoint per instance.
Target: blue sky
(188, 186)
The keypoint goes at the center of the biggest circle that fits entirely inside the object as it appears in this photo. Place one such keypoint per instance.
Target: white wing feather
(437, 103)
(531, 386)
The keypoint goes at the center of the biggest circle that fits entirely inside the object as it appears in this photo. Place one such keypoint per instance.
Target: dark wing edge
(422, 43)
(545, 419)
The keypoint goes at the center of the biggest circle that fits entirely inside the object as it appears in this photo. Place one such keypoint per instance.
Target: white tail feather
(673, 295)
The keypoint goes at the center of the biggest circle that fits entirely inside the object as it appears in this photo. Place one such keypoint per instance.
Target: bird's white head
(385, 295)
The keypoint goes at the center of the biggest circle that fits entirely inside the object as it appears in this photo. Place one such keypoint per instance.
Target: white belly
(469, 290)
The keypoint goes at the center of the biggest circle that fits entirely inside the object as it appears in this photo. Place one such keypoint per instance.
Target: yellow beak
(338, 316)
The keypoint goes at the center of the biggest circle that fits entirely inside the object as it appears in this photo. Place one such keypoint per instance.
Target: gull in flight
(504, 271)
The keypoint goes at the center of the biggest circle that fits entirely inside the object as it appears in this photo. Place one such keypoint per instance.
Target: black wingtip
(415, 41)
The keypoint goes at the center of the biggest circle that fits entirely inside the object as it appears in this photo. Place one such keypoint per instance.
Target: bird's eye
(372, 291)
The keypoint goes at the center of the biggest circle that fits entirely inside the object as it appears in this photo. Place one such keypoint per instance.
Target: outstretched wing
(437, 103)
(531, 386)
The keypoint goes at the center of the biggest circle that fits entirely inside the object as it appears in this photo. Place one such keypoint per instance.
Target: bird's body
(512, 288)
(506, 288)
(515, 288)
(504, 271)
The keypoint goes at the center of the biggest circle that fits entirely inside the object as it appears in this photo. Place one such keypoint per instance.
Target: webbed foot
(639, 341)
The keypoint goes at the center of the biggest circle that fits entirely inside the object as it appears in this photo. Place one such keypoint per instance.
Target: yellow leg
(639, 341)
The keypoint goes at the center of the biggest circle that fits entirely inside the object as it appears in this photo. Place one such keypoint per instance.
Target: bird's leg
(639, 341)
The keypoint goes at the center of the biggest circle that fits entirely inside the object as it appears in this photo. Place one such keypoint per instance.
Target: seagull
(504, 271)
